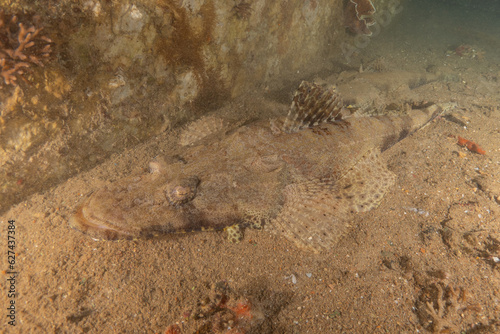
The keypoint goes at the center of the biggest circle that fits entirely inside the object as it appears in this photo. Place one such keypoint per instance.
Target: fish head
(159, 201)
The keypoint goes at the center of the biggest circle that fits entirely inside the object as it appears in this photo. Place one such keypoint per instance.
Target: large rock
(122, 71)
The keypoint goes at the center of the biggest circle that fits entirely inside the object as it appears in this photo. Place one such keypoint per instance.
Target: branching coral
(440, 307)
(222, 312)
(21, 45)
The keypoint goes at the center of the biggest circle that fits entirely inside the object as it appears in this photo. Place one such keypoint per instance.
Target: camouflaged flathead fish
(304, 177)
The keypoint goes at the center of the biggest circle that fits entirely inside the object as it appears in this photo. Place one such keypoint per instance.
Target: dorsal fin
(312, 105)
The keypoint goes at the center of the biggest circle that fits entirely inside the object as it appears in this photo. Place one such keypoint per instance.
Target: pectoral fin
(366, 183)
(315, 213)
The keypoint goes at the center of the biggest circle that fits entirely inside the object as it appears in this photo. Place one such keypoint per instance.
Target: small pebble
(309, 275)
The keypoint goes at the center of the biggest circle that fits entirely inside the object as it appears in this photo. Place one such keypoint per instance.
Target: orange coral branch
(242, 310)
(21, 46)
(173, 329)
(471, 146)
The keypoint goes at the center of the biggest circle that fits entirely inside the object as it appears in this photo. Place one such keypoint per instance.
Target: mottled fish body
(304, 178)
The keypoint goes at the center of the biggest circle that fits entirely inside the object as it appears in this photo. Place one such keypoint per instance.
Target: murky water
(95, 113)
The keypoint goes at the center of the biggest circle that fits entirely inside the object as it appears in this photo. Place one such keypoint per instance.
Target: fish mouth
(97, 228)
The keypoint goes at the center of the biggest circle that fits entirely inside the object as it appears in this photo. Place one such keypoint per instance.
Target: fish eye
(181, 191)
(154, 167)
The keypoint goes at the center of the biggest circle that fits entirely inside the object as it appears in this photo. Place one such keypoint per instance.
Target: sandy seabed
(426, 260)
